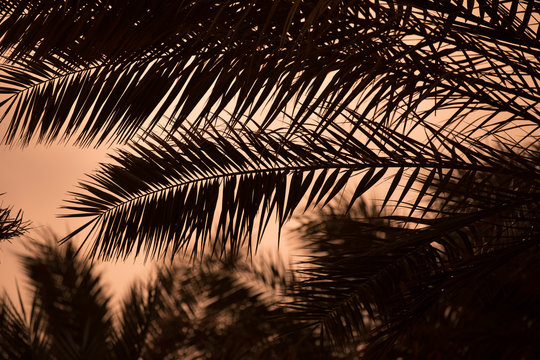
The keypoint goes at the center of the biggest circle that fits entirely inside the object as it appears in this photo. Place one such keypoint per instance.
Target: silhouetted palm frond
(217, 309)
(22, 334)
(70, 298)
(434, 285)
(164, 195)
(11, 226)
(100, 70)
(144, 311)
(68, 317)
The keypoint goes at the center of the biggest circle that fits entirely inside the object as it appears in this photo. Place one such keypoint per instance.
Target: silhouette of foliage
(11, 226)
(240, 112)
(461, 285)
(213, 311)
(358, 90)
(98, 70)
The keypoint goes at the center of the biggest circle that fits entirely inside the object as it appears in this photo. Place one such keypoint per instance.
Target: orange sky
(36, 180)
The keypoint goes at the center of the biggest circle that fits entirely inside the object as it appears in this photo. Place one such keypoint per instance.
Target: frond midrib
(347, 166)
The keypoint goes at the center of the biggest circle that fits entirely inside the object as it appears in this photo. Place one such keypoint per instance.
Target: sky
(36, 179)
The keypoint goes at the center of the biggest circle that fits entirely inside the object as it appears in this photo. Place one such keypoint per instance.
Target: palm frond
(208, 309)
(165, 195)
(11, 226)
(22, 336)
(70, 72)
(215, 313)
(143, 313)
(71, 298)
(390, 281)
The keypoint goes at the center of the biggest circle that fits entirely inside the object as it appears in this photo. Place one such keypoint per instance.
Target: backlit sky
(36, 180)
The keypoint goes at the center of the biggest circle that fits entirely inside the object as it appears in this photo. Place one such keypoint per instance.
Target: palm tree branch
(183, 179)
(349, 289)
(273, 57)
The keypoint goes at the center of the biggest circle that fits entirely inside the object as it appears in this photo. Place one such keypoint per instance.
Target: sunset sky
(36, 179)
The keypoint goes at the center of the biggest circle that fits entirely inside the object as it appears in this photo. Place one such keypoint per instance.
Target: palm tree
(239, 112)
(207, 312)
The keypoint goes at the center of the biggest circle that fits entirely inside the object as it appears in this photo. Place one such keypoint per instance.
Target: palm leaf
(399, 63)
(11, 226)
(164, 196)
(70, 298)
(22, 336)
(144, 312)
(380, 280)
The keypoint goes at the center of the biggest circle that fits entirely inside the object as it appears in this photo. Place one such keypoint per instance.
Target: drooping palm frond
(406, 286)
(164, 195)
(11, 226)
(100, 70)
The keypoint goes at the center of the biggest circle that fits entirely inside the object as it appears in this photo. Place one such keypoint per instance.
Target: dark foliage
(250, 110)
(220, 309)
(11, 226)
(460, 285)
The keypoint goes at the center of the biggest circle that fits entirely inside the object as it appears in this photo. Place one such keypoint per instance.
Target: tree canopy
(240, 112)
(311, 95)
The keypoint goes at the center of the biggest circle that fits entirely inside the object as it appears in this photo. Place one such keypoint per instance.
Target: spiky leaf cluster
(169, 195)
(11, 226)
(452, 274)
(97, 71)
(187, 312)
